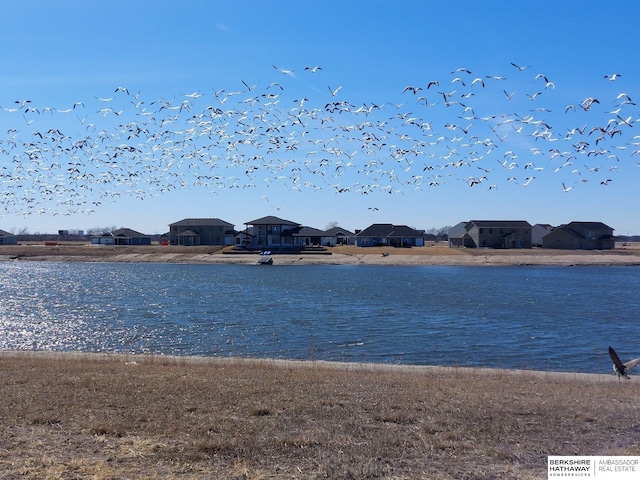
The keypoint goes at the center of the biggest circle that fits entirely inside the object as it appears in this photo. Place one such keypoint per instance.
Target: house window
(490, 230)
(481, 230)
(275, 229)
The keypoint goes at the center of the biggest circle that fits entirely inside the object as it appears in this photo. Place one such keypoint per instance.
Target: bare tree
(331, 225)
(100, 230)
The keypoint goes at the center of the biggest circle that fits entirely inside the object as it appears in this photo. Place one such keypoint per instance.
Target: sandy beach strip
(428, 256)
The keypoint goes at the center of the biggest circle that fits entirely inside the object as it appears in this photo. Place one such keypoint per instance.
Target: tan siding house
(580, 236)
(491, 234)
(201, 231)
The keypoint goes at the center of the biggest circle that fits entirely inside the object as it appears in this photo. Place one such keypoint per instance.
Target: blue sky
(182, 113)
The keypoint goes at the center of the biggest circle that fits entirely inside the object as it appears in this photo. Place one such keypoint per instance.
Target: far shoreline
(340, 255)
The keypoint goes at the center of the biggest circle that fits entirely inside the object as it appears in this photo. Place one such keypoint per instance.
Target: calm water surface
(545, 318)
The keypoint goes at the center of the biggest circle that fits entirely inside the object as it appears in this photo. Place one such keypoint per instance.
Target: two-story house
(201, 231)
(491, 234)
(272, 232)
(580, 236)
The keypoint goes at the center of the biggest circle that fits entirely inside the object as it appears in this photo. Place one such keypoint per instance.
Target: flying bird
(284, 70)
(409, 88)
(335, 92)
(613, 77)
(622, 368)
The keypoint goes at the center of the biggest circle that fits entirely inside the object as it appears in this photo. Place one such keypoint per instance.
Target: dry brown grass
(68, 417)
(69, 250)
(83, 249)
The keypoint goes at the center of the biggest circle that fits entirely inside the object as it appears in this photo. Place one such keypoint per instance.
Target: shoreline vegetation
(113, 416)
(339, 255)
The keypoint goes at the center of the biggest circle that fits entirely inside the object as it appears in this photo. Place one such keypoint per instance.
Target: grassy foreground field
(70, 416)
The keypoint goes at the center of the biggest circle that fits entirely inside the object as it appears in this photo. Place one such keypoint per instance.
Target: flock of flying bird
(463, 128)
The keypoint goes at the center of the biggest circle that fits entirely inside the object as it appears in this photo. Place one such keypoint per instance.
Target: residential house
(272, 232)
(244, 238)
(459, 237)
(337, 236)
(580, 236)
(306, 237)
(122, 236)
(7, 238)
(104, 239)
(538, 232)
(126, 236)
(491, 234)
(386, 234)
(201, 231)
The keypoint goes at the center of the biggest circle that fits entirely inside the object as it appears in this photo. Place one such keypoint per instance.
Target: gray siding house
(273, 232)
(538, 232)
(459, 237)
(201, 231)
(126, 236)
(122, 236)
(491, 234)
(580, 236)
(7, 238)
(337, 236)
(388, 235)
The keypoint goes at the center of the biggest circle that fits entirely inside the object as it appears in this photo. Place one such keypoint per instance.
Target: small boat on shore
(265, 258)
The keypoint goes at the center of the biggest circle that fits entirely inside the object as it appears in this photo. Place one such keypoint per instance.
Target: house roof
(458, 230)
(389, 230)
(271, 220)
(405, 231)
(246, 231)
(590, 225)
(201, 222)
(304, 232)
(6, 234)
(127, 232)
(188, 233)
(338, 232)
(500, 223)
(568, 228)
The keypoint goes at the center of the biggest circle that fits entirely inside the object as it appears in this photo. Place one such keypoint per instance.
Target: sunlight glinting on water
(547, 318)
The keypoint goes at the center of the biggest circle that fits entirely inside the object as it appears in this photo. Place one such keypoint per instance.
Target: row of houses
(272, 233)
(521, 234)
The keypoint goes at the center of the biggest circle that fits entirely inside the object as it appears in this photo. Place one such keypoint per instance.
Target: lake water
(543, 318)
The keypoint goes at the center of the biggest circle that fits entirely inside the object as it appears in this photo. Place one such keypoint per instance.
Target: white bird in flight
(284, 70)
(334, 92)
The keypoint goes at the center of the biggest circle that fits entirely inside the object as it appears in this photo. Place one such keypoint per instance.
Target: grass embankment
(75, 416)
